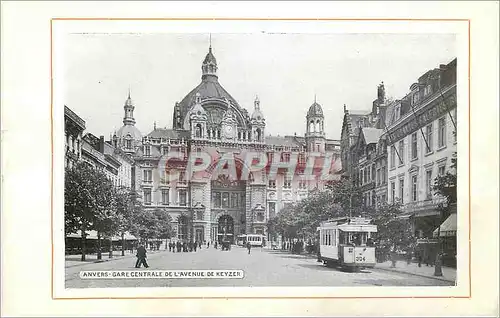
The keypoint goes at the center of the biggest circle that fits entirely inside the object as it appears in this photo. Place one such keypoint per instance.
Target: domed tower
(315, 133)
(198, 119)
(258, 122)
(128, 137)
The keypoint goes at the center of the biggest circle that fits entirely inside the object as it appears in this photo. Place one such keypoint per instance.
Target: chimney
(101, 144)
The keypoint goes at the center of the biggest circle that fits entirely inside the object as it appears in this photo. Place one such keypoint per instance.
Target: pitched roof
(169, 133)
(372, 135)
(287, 141)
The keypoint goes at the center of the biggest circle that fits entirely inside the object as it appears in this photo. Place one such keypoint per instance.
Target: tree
(392, 230)
(127, 205)
(163, 224)
(446, 184)
(87, 194)
(347, 196)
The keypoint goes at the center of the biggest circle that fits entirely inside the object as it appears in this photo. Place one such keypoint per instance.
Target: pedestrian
(208, 244)
(185, 246)
(215, 245)
(419, 258)
(249, 247)
(195, 246)
(199, 244)
(141, 257)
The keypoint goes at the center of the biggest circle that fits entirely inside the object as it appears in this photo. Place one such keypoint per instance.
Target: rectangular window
(414, 145)
(378, 177)
(442, 132)
(165, 200)
(401, 151)
(401, 189)
(373, 173)
(182, 197)
(234, 200)
(441, 170)
(428, 182)
(285, 157)
(287, 184)
(384, 174)
(414, 188)
(393, 156)
(147, 150)
(148, 176)
(225, 200)
(272, 209)
(147, 196)
(428, 137)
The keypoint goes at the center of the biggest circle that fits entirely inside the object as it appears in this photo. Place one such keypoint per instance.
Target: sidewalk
(449, 274)
(75, 260)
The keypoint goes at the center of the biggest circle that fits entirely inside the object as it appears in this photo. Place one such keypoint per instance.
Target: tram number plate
(360, 259)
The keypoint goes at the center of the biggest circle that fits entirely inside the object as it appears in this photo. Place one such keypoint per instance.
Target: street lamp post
(438, 271)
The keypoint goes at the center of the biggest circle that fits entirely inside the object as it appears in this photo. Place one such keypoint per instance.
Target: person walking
(195, 246)
(208, 244)
(199, 244)
(141, 257)
(249, 247)
(215, 245)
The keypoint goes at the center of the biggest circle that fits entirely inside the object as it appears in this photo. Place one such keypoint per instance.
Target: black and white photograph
(210, 158)
(260, 159)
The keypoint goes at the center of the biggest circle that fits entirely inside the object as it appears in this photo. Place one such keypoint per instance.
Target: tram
(241, 240)
(254, 239)
(346, 242)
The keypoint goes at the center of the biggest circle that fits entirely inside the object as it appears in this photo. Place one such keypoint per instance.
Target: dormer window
(147, 150)
(397, 111)
(427, 90)
(415, 98)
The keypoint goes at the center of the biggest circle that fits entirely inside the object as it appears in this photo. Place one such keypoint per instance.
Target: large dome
(208, 89)
(129, 130)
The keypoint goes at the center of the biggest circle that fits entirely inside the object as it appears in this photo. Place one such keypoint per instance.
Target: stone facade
(209, 205)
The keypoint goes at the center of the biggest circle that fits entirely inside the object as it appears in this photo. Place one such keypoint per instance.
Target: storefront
(446, 233)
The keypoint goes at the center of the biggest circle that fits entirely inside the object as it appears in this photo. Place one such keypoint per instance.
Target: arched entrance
(225, 229)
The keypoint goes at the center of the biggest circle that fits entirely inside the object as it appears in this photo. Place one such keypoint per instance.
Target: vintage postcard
(197, 159)
(335, 167)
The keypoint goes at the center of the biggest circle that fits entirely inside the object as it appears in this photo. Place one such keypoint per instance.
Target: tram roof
(349, 220)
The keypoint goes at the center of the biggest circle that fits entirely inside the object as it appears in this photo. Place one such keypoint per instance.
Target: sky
(286, 71)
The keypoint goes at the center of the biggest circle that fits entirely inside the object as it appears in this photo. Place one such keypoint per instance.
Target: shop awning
(448, 228)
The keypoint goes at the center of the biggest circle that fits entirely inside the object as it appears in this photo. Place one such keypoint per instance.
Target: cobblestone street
(262, 268)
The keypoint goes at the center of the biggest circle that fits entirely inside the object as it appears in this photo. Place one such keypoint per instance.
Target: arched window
(197, 132)
(258, 134)
(218, 133)
(317, 126)
(311, 126)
